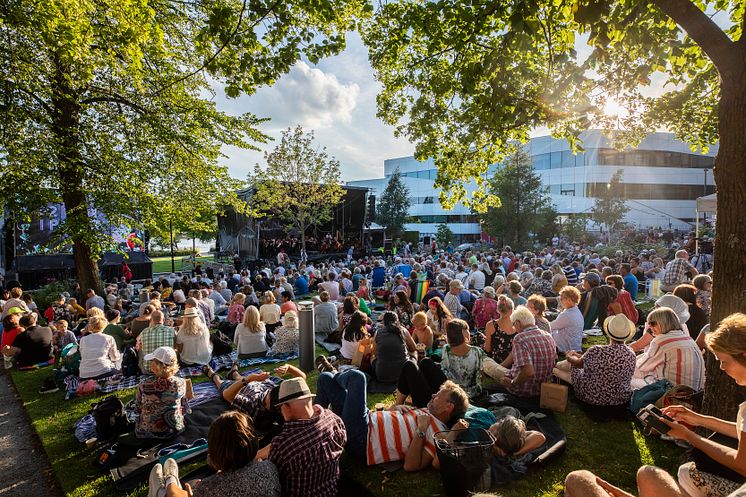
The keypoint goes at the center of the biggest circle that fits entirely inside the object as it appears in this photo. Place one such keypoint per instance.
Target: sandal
(323, 365)
(207, 370)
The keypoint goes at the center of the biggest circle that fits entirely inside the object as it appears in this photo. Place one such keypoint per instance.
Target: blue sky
(336, 99)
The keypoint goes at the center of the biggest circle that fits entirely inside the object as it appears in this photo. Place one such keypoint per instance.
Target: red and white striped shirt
(390, 434)
(675, 357)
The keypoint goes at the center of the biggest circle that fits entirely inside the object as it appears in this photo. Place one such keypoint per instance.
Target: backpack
(110, 418)
(130, 361)
(70, 356)
(649, 394)
(221, 344)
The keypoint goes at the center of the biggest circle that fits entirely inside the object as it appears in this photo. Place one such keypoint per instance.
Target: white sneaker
(171, 469)
(155, 482)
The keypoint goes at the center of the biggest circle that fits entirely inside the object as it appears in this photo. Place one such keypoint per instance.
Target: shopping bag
(364, 347)
(553, 396)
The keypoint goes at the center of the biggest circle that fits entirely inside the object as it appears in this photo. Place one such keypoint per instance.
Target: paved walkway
(24, 466)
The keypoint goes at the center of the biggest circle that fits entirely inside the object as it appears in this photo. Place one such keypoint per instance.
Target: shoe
(49, 386)
(155, 481)
(70, 395)
(171, 470)
(323, 365)
(207, 370)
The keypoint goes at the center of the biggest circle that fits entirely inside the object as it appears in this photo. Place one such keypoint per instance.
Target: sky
(337, 100)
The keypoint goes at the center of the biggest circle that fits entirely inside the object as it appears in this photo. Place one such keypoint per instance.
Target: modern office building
(662, 179)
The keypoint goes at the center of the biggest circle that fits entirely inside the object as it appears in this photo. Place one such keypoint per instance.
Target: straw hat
(619, 328)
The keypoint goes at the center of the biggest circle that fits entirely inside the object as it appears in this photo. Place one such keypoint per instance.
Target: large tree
(109, 105)
(300, 183)
(525, 204)
(465, 80)
(610, 207)
(393, 206)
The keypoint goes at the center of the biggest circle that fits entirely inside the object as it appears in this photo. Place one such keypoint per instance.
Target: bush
(167, 253)
(47, 294)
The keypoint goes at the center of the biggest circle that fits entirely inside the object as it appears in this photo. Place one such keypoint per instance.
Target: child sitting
(703, 284)
(236, 309)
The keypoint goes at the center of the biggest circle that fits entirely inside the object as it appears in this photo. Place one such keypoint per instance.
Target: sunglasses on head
(653, 323)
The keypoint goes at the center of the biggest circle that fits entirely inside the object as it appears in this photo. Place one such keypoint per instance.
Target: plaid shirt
(536, 347)
(153, 337)
(307, 453)
(676, 272)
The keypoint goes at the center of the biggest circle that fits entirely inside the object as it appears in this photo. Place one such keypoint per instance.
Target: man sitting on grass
(401, 433)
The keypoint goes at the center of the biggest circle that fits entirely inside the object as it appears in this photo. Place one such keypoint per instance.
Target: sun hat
(489, 291)
(619, 327)
(166, 355)
(676, 304)
(15, 310)
(191, 312)
(293, 389)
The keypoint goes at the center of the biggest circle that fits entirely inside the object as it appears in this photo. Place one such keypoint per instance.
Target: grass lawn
(613, 450)
(163, 264)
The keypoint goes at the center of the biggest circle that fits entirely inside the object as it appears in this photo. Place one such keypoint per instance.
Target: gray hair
(523, 316)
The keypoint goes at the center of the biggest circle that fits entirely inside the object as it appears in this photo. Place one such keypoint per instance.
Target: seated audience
(567, 328)
(697, 317)
(602, 375)
(534, 356)
(251, 336)
(154, 336)
(32, 345)
(672, 354)
(485, 308)
(161, 401)
(461, 362)
(232, 445)
(236, 309)
(499, 333)
(355, 331)
(270, 312)
(193, 340)
(421, 332)
(99, 355)
(287, 336)
(117, 331)
(537, 304)
(393, 344)
(624, 303)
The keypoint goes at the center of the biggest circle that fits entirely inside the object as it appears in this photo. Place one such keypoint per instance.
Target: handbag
(649, 394)
(553, 396)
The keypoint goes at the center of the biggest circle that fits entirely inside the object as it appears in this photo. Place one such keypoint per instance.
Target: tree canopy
(300, 184)
(464, 80)
(393, 206)
(525, 206)
(110, 105)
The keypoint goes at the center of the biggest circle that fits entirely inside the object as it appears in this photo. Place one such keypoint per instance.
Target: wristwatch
(421, 434)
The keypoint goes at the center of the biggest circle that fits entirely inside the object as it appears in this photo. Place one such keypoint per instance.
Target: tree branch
(116, 99)
(703, 30)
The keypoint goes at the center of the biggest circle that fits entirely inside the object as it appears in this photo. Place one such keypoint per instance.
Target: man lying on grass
(401, 433)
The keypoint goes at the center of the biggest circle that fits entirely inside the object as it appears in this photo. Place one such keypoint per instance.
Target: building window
(541, 162)
(555, 160)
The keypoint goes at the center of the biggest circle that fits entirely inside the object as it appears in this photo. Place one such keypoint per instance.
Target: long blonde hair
(251, 319)
(192, 325)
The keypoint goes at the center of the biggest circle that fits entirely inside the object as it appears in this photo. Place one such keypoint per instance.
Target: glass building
(662, 179)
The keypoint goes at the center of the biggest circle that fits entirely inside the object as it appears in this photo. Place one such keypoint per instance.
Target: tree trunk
(722, 395)
(65, 127)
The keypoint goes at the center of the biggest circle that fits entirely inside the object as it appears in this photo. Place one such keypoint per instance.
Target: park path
(24, 466)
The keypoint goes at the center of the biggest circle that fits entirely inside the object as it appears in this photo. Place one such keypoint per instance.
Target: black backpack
(221, 344)
(110, 418)
(130, 363)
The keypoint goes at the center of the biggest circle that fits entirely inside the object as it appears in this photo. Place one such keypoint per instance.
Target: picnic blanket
(331, 348)
(225, 361)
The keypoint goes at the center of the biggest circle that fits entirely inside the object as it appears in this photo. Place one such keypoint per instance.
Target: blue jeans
(346, 392)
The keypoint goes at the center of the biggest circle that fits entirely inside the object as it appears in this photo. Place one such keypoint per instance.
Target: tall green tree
(444, 235)
(300, 184)
(110, 104)
(465, 80)
(524, 201)
(393, 206)
(610, 207)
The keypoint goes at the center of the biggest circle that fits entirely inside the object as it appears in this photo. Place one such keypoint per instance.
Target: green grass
(613, 449)
(163, 264)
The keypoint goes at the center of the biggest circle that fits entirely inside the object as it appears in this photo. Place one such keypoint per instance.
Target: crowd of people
(434, 323)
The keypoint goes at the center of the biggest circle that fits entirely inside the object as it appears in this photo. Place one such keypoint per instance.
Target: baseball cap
(15, 310)
(166, 355)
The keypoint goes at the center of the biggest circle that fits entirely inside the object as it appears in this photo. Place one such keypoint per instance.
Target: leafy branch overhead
(464, 81)
(300, 185)
(111, 104)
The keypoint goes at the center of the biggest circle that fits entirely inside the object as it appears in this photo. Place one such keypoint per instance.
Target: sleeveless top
(502, 343)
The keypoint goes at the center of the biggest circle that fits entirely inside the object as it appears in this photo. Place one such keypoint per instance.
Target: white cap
(166, 355)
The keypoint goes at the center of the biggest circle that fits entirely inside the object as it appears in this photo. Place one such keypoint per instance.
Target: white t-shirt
(270, 313)
(250, 342)
(98, 355)
(196, 349)
(332, 287)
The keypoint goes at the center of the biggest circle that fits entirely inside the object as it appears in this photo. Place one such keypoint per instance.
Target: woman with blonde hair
(193, 340)
(251, 335)
(161, 399)
(99, 355)
(236, 309)
(287, 335)
(270, 313)
(499, 332)
(537, 305)
(672, 354)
